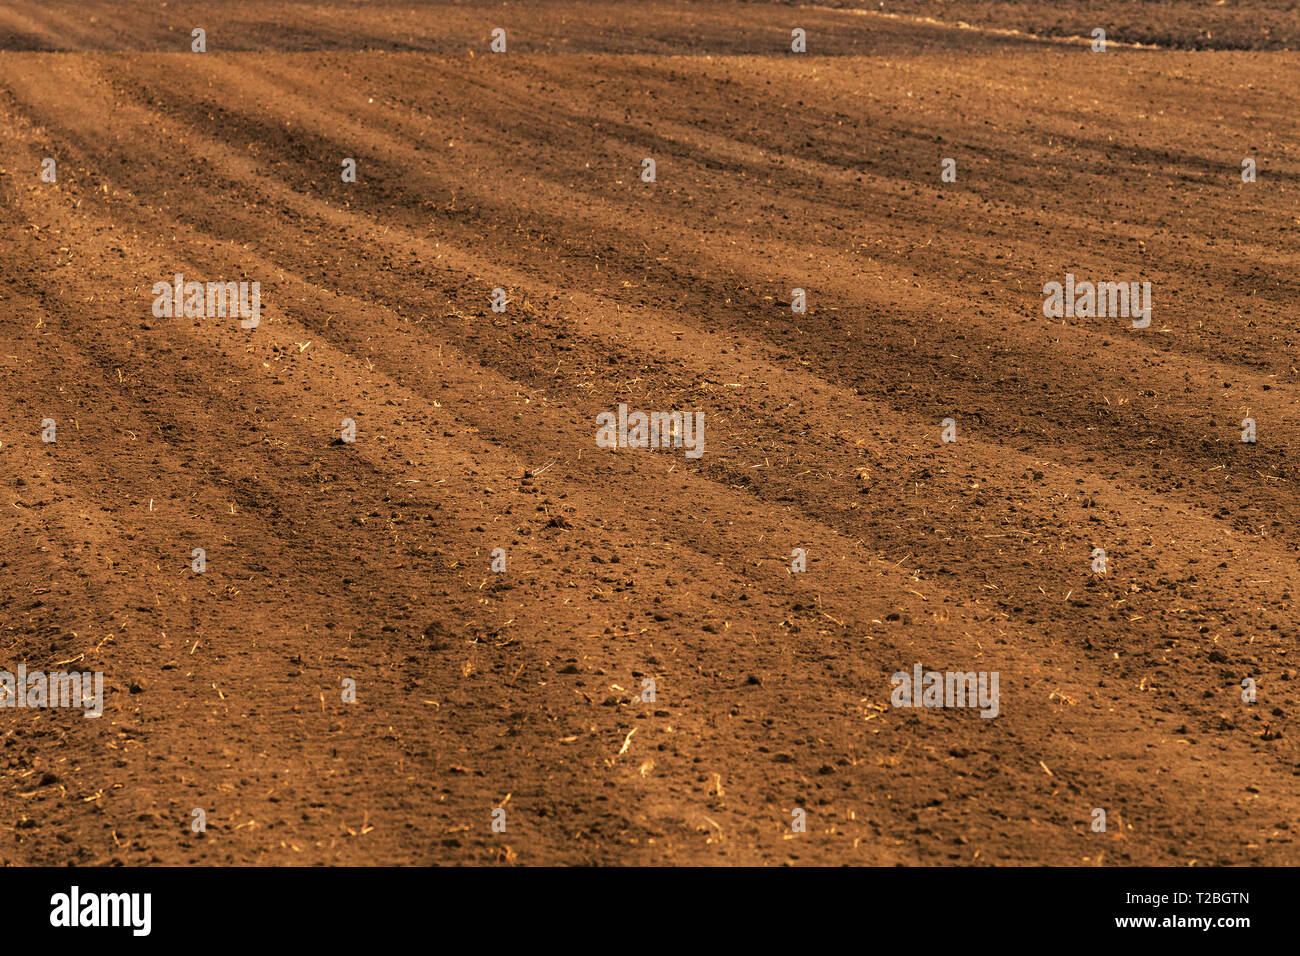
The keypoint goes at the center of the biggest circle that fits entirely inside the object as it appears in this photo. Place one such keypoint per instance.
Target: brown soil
(476, 430)
(1185, 24)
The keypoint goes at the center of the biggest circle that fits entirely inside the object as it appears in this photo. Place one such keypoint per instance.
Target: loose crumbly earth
(370, 561)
